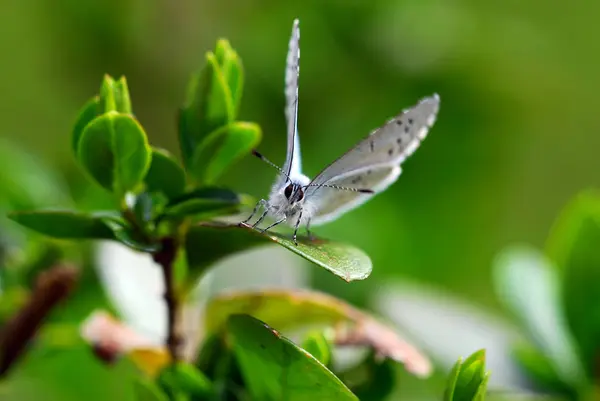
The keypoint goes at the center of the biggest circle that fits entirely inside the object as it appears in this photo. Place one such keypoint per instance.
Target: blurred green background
(516, 137)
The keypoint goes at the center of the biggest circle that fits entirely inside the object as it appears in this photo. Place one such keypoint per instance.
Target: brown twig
(165, 257)
(52, 286)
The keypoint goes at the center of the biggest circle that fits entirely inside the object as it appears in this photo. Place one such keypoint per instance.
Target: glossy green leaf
(115, 152)
(297, 309)
(574, 245)
(233, 71)
(208, 106)
(316, 344)
(122, 98)
(274, 368)
(165, 174)
(108, 102)
(183, 377)
(222, 148)
(64, 224)
(204, 201)
(468, 379)
(210, 242)
(528, 285)
(90, 111)
(147, 390)
(114, 96)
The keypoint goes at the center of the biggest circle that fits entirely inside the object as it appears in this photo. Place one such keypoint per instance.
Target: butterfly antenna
(270, 163)
(361, 190)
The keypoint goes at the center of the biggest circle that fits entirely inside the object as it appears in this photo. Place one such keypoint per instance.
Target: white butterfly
(368, 168)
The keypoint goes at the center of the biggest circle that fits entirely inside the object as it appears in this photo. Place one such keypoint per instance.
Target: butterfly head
(293, 192)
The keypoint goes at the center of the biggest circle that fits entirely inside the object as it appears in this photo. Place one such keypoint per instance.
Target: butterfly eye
(300, 194)
(288, 191)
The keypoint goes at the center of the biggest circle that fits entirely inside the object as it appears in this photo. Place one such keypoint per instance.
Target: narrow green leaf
(147, 390)
(208, 243)
(274, 368)
(208, 201)
(183, 377)
(64, 224)
(222, 148)
(468, 379)
(528, 285)
(90, 111)
(165, 174)
(107, 95)
(574, 245)
(317, 345)
(233, 71)
(208, 106)
(122, 98)
(114, 150)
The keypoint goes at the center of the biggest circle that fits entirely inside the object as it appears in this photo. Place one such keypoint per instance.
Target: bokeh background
(516, 138)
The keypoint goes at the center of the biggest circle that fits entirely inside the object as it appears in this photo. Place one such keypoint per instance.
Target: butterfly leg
(260, 203)
(274, 224)
(262, 216)
(296, 228)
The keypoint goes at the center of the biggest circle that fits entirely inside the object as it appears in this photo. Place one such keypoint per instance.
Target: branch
(52, 286)
(165, 257)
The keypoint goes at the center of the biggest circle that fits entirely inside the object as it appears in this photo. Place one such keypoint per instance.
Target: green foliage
(274, 368)
(468, 379)
(180, 216)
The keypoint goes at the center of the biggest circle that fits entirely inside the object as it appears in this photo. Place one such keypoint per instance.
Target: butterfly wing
(292, 165)
(374, 163)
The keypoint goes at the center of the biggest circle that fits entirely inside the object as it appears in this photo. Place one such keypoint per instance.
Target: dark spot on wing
(410, 121)
(372, 146)
(391, 151)
(369, 172)
(399, 122)
(406, 129)
(399, 141)
(356, 180)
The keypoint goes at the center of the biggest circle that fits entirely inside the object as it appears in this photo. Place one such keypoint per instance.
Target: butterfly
(366, 169)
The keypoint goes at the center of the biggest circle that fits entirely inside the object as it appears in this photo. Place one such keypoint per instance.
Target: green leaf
(64, 224)
(528, 285)
(574, 245)
(233, 71)
(114, 96)
(222, 148)
(147, 390)
(115, 152)
(108, 102)
(318, 346)
(208, 106)
(274, 368)
(183, 377)
(468, 379)
(165, 175)
(209, 242)
(298, 309)
(121, 94)
(90, 111)
(208, 201)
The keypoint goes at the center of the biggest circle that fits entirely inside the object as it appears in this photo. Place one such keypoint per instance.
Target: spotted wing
(373, 164)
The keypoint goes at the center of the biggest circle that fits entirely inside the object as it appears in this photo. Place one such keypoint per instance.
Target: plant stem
(52, 286)
(165, 257)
